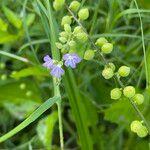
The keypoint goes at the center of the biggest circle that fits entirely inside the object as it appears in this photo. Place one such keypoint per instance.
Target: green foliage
(119, 113)
(45, 129)
(12, 18)
(37, 71)
(91, 119)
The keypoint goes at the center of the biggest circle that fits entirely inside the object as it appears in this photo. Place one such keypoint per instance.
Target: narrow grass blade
(78, 110)
(45, 106)
(14, 56)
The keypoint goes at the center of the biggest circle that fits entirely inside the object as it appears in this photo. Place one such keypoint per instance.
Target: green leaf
(11, 91)
(13, 18)
(121, 112)
(30, 19)
(79, 111)
(31, 71)
(6, 37)
(37, 113)
(3, 25)
(45, 129)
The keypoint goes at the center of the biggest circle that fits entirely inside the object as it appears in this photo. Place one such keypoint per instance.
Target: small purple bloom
(48, 62)
(71, 60)
(57, 71)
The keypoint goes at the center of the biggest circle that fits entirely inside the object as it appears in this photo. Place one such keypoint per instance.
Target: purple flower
(48, 62)
(71, 60)
(57, 71)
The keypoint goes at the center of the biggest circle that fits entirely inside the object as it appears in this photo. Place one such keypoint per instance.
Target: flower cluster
(70, 60)
(69, 41)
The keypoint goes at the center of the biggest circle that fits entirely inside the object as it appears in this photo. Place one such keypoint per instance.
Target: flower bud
(67, 28)
(64, 34)
(2, 65)
(63, 39)
(22, 86)
(66, 20)
(63, 51)
(107, 48)
(124, 71)
(112, 66)
(82, 37)
(107, 73)
(77, 30)
(115, 93)
(72, 43)
(142, 132)
(101, 41)
(74, 6)
(89, 54)
(83, 14)
(138, 99)
(129, 91)
(135, 126)
(59, 45)
(58, 4)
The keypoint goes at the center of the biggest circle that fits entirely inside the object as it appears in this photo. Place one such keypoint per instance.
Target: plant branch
(105, 61)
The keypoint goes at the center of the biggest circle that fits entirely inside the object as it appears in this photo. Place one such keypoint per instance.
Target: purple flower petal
(71, 60)
(57, 71)
(48, 62)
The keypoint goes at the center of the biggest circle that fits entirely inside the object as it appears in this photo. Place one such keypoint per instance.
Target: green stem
(57, 93)
(135, 107)
(60, 126)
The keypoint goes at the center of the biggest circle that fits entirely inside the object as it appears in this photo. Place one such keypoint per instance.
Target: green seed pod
(101, 41)
(59, 45)
(112, 66)
(107, 48)
(82, 37)
(3, 77)
(72, 43)
(63, 39)
(2, 65)
(142, 132)
(77, 30)
(89, 54)
(115, 93)
(67, 28)
(124, 71)
(74, 6)
(66, 20)
(107, 73)
(138, 99)
(64, 34)
(63, 51)
(58, 4)
(83, 14)
(129, 91)
(22, 86)
(135, 126)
